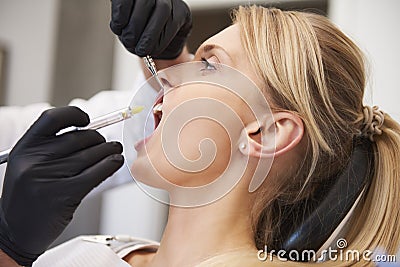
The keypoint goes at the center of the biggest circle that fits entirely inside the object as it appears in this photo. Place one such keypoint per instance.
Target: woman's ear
(279, 134)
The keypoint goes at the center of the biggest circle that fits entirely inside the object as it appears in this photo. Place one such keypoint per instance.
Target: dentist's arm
(47, 177)
(6, 261)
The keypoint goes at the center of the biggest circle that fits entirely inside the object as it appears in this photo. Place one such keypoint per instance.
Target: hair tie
(373, 121)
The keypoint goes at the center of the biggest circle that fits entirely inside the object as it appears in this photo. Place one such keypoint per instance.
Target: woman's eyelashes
(256, 132)
(208, 65)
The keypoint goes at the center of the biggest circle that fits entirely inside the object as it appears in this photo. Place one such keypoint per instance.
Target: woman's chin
(137, 171)
(142, 172)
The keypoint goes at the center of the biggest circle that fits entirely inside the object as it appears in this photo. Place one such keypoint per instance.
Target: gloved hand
(46, 178)
(158, 28)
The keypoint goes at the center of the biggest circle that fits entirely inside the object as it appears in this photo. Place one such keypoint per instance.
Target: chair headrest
(321, 222)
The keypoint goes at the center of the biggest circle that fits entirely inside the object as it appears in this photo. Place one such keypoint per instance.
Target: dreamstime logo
(341, 243)
(338, 253)
(185, 109)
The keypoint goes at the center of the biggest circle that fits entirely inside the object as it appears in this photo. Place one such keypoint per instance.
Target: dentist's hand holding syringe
(48, 174)
(94, 124)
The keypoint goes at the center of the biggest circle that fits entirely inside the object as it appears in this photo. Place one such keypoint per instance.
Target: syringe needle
(151, 66)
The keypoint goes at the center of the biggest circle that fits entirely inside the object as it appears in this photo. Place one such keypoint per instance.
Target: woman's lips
(157, 118)
(139, 145)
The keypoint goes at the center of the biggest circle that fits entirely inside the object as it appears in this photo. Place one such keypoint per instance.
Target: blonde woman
(313, 77)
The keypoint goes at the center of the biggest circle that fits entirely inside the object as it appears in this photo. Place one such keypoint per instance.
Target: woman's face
(198, 139)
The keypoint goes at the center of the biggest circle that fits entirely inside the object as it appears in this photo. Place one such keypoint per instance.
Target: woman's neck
(194, 234)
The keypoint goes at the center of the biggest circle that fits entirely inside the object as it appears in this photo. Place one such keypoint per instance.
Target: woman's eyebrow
(209, 47)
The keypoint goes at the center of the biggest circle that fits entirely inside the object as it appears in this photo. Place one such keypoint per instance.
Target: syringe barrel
(108, 119)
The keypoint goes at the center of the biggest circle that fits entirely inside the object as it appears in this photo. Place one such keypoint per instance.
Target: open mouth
(157, 111)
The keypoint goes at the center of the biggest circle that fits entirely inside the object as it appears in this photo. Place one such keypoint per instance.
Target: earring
(242, 146)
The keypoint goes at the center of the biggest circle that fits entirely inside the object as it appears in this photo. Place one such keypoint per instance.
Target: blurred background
(54, 51)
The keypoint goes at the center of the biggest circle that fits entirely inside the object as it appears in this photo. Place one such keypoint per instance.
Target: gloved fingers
(166, 37)
(94, 175)
(53, 120)
(154, 34)
(74, 141)
(132, 32)
(120, 14)
(184, 18)
(86, 158)
(76, 163)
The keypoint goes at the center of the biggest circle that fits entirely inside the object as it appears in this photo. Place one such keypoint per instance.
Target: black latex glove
(46, 178)
(158, 28)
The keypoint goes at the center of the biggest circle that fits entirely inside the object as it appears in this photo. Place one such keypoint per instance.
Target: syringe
(4, 155)
(108, 119)
(95, 124)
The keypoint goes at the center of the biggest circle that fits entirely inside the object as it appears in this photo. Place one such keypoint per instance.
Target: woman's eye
(257, 132)
(208, 65)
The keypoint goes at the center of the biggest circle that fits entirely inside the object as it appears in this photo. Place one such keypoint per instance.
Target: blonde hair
(313, 69)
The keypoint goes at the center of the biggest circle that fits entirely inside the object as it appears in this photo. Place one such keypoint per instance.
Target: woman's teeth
(157, 108)
(157, 112)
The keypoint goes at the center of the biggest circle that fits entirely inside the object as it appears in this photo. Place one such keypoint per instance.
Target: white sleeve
(14, 122)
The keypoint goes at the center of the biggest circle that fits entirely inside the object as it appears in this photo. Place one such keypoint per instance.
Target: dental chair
(328, 213)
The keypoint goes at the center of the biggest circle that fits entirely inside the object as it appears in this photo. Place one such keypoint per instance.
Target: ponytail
(377, 221)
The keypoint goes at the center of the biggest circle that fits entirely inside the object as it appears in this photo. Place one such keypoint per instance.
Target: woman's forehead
(228, 39)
